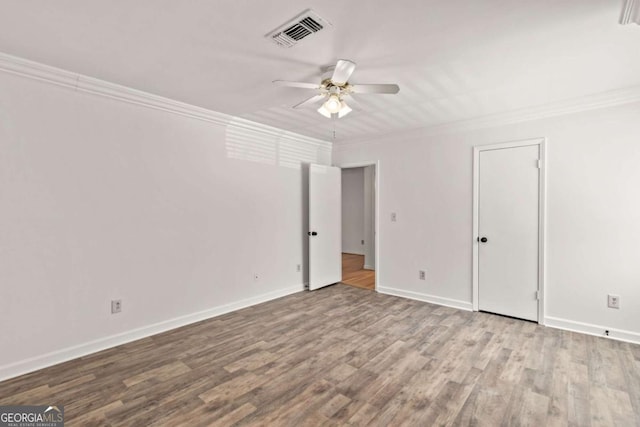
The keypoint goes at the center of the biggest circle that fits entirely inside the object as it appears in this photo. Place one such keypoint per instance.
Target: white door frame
(376, 209)
(541, 142)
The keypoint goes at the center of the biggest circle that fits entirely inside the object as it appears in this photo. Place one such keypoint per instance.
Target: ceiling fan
(332, 90)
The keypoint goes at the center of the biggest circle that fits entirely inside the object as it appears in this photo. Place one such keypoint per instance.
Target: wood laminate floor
(346, 356)
(354, 274)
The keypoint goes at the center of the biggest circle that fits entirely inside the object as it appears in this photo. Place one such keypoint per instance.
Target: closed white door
(325, 226)
(508, 221)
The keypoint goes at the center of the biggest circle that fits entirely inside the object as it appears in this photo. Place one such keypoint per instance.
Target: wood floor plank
(161, 373)
(347, 356)
(234, 416)
(233, 388)
(252, 361)
(97, 416)
(335, 404)
(363, 416)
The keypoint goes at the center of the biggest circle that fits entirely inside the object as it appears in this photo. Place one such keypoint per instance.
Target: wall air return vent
(298, 28)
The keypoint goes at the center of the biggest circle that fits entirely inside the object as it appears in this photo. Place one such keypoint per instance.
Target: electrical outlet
(613, 301)
(298, 268)
(116, 306)
(394, 217)
(422, 275)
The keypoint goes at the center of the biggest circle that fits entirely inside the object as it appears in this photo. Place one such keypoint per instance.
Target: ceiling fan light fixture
(324, 111)
(332, 89)
(344, 110)
(333, 104)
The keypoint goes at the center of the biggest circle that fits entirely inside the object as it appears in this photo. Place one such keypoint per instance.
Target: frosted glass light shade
(333, 104)
(328, 109)
(344, 110)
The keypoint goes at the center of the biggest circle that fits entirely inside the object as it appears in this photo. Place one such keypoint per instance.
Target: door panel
(508, 220)
(325, 219)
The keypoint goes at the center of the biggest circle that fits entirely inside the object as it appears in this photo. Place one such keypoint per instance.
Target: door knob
(484, 240)
(312, 233)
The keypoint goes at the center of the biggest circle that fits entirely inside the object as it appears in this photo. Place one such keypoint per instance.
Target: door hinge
(537, 295)
(539, 163)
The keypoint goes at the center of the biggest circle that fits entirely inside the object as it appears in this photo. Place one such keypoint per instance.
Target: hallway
(353, 273)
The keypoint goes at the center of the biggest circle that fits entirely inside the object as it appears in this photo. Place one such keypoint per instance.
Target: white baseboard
(368, 267)
(591, 329)
(39, 362)
(454, 303)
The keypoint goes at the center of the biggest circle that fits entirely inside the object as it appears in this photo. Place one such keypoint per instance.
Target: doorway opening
(358, 226)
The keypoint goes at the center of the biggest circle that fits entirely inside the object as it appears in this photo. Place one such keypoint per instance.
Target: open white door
(325, 226)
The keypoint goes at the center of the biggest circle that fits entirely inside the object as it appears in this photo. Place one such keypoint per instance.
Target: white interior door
(508, 221)
(325, 226)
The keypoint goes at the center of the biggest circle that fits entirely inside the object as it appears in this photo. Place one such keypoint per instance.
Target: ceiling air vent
(303, 25)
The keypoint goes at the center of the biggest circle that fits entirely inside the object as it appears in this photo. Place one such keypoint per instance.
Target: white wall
(353, 210)
(593, 214)
(102, 199)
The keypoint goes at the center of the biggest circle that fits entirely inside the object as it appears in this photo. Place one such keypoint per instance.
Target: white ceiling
(453, 60)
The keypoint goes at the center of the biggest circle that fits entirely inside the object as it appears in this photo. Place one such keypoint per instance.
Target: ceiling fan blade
(354, 102)
(376, 88)
(302, 85)
(342, 72)
(310, 101)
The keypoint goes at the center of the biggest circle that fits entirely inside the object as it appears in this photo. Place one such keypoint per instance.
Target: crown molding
(607, 99)
(80, 83)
